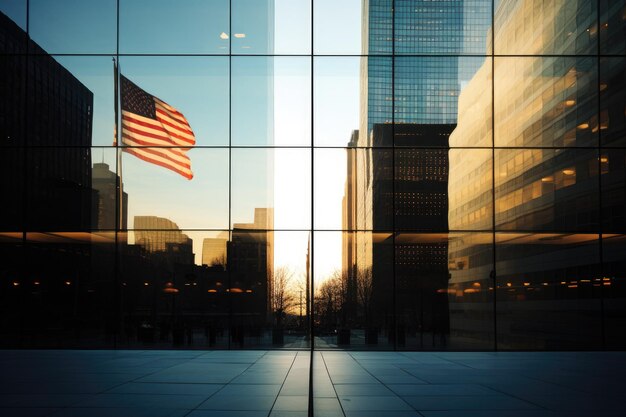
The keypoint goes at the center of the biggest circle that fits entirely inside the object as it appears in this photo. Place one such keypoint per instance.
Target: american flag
(154, 131)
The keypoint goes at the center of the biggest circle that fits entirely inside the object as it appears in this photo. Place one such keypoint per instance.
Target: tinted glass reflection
(192, 27)
(353, 304)
(168, 198)
(74, 26)
(612, 99)
(614, 289)
(533, 27)
(196, 86)
(546, 102)
(546, 189)
(612, 27)
(548, 291)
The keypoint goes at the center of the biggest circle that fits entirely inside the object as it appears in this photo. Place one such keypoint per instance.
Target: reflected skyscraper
(104, 181)
(214, 250)
(157, 234)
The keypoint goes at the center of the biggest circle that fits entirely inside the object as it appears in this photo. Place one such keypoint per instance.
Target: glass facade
(380, 174)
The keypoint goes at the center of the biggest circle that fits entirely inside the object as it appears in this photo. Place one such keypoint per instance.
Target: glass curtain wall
(355, 174)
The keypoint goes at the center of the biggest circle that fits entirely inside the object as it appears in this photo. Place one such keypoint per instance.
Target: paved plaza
(103, 383)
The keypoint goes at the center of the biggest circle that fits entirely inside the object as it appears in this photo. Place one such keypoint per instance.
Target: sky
(270, 104)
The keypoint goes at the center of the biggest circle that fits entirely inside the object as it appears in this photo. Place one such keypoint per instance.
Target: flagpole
(118, 154)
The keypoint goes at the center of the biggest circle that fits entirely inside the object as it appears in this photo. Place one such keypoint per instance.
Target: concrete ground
(276, 384)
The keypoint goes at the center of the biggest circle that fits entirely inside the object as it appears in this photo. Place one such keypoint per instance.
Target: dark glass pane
(15, 10)
(470, 198)
(163, 27)
(59, 189)
(337, 101)
(60, 108)
(546, 189)
(174, 289)
(613, 101)
(353, 305)
(444, 291)
(420, 189)
(74, 26)
(13, 288)
(197, 87)
(612, 27)
(70, 301)
(271, 189)
(547, 294)
(12, 184)
(612, 167)
(13, 100)
(534, 27)
(441, 27)
(161, 197)
(271, 101)
(338, 26)
(546, 102)
(614, 289)
(268, 27)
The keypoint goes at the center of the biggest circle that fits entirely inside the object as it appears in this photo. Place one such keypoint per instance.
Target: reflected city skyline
(412, 177)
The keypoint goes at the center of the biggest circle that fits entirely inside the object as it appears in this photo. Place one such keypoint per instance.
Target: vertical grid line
(25, 151)
(230, 167)
(312, 227)
(600, 216)
(493, 177)
(117, 290)
(394, 319)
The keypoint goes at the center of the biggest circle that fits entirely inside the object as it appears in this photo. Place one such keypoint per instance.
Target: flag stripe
(139, 153)
(151, 127)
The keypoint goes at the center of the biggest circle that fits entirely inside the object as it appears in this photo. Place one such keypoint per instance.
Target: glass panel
(268, 272)
(189, 27)
(337, 98)
(195, 86)
(58, 189)
(420, 189)
(74, 26)
(546, 102)
(13, 288)
(159, 197)
(12, 184)
(267, 27)
(376, 99)
(441, 27)
(271, 101)
(613, 101)
(68, 299)
(353, 189)
(174, 289)
(13, 100)
(444, 291)
(60, 108)
(534, 27)
(546, 189)
(15, 11)
(106, 207)
(353, 290)
(271, 189)
(614, 289)
(470, 197)
(612, 166)
(612, 27)
(338, 26)
(95, 75)
(546, 295)
(430, 94)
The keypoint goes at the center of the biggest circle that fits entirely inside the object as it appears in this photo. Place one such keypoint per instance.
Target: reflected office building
(396, 262)
(557, 183)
